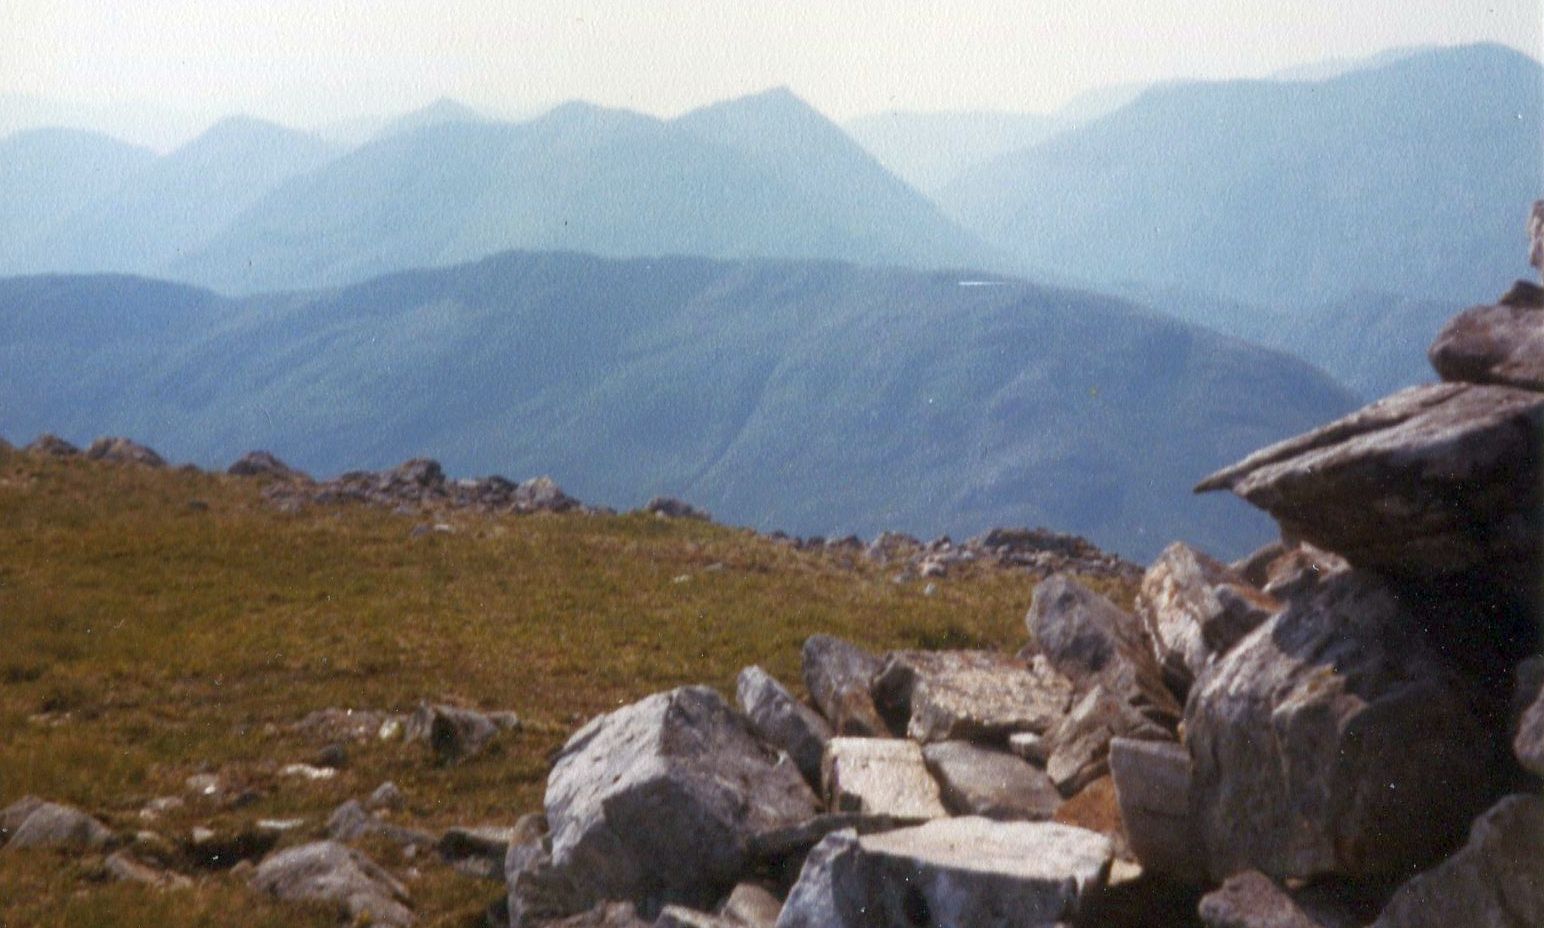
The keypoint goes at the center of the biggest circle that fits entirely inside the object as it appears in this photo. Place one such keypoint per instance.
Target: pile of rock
(1036, 551)
(413, 485)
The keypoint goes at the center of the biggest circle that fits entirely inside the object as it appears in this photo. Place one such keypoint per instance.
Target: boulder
(1435, 481)
(951, 873)
(668, 507)
(14, 814)
(1078, 746)
(971, 695)
(263, 464)
(657, 802)
(1502, 344)
(783, 721)
(1251, 900)
(328, 872)
(453, 733)
(752, 905)
(1335, 739)
(49, 824)
(126, 868)
(837, 675)
(879, 776)
(1194, 607)
(1496, 880)
(51, 445)
(1152, 788)
(123, 451)
(974, 780)
(1093, 642)
(542, 494)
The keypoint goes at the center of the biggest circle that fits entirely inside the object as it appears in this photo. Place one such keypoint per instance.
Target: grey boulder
(971, 695)
(123, 451)
(838, 674)
(951, 873)
(1078, 746)
(1496, 880)
(1334, 739)
(976, 780)
(782, 720)
(1501, 344)
(48, 824)
(453, 733)
(1093, 642)
(1152, 789)
(657, 802)
(1194, 607)
(326, 871)
(879, 777)
(1434, 481)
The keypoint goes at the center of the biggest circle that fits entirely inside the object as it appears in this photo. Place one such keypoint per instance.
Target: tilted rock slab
(1495, 881)
(326, 871)
(1194, 607)
(970, 695)
(976, 780)
(951, 873)
(1333, 739)
(656, 802)
(1094, 642)
(837, 675)
(880, 776)
(1501, 344)
(1433, 481)
(783, 721)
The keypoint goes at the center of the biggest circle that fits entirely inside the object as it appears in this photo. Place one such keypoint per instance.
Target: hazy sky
(312, 61)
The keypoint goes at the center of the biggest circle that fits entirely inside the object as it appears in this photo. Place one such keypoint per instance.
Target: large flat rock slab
(1335, 740)
(1433, 481)
(1152, 787)
(657, 802)
(952, 873)
(971, 695)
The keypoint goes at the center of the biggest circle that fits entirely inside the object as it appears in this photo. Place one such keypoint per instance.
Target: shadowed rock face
(1501, 344)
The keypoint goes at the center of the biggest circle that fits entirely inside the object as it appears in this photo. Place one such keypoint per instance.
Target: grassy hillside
(163, 623)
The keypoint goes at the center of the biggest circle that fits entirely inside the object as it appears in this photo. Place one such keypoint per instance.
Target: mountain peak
(438, 112)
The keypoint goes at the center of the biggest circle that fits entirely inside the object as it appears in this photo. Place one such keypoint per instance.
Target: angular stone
(879, 776)
(1492, 344)
(453, 733)
(1433, 481)
(123, 451)
(1079, 745)
(783, 721)
(952, 873)
(970, 695)
(1495, 880)
(1194, 607)
(1091, 641)
(1251, 900)
(49, 824)
(1317, 735)
(981, 781)
(1152, 786)
(657, 802)
(1030, 746)
(752, 905)
(837, 675)
(326, 871)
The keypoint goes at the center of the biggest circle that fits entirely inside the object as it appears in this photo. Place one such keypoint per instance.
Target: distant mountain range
(1408, 176)
(928, 150)
(814, 397)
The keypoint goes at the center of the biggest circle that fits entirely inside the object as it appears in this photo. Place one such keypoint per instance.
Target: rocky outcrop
(1496, 880)
(656, 802)
(1502, 344)
(123, 451)
(783, 721)
(52, 446)
(421, 484)
(264, 464)
(1433, 481)
(952, 873)
(970, 695)
(328, 872)
(668, 507)
(838, 675)
(1317, 736)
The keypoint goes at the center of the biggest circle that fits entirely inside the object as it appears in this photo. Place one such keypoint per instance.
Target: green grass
(144, 638)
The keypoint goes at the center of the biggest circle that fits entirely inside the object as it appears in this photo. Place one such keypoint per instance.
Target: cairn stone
(970, 695)
(838, 675)
(880, 777)
(783, 721)
(975, 780)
